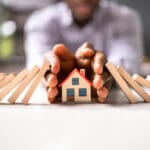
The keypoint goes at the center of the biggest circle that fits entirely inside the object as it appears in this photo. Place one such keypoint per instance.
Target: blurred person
(113, 29)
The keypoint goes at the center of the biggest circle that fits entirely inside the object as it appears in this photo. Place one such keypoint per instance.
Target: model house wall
(77, 87)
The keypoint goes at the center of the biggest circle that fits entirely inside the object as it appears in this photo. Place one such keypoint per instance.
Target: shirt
(114, 29)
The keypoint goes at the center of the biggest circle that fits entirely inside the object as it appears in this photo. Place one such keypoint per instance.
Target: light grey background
(143, 7)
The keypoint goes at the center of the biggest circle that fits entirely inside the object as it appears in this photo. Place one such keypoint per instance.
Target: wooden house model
(76, 87)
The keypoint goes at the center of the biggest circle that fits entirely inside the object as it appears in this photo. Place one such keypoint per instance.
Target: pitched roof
(75, 70)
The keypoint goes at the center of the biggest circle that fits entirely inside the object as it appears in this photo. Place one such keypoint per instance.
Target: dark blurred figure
(115, 29)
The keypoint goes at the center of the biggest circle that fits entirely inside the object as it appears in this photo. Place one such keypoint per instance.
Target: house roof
(75, 70)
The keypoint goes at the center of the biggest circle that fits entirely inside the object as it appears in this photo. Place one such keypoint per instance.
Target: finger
(102, 94)
(98, 81)
(104, 91)
(51, 100)
(85, 53)
(52, 92)
(54, 62)
(86, 45)
(52, 80)
(98, 62)
(63, 52)
(83, 63)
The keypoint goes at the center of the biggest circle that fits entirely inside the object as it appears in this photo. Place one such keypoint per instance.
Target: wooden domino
(2, 76)
(139, 79)
(24, 84)
(133, 84)
(36, 81)
(13, 84)
(7, 80)
(148, 78)
(123, 85)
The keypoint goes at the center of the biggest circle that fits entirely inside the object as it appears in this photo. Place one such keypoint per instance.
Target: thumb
(54, 62)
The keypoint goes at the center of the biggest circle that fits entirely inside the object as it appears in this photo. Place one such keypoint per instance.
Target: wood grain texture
(2, 76)
(133, 84)
(13, 84)
(120, 81)
(7, 79)
(35, 83)
(139, 79)
(23, 84)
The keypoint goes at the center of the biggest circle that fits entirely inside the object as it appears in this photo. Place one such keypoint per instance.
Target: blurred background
(13, 14)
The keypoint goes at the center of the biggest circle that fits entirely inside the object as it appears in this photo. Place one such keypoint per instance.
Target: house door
(70, 94)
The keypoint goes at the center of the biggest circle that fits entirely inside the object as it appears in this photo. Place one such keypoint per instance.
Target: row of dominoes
(124, 80)
(23, 79)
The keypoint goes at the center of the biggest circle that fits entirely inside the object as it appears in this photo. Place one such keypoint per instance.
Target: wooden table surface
(38, 126)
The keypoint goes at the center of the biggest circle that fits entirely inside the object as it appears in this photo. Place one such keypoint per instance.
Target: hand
(93, 61)
(62, 63)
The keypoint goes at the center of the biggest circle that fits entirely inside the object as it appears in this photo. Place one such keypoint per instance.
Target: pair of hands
(63, 61)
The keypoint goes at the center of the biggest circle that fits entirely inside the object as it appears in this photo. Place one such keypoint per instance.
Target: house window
(82, 92)
(70, 92)
(75, 81)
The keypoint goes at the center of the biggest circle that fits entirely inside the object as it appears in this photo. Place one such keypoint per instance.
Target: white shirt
(114, 29)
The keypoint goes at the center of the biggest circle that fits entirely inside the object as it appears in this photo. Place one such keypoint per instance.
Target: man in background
(113, 29)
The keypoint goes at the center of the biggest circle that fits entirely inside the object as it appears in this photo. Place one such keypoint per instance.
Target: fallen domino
(25, 77)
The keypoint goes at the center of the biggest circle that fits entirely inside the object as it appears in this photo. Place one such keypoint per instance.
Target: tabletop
(43, 126)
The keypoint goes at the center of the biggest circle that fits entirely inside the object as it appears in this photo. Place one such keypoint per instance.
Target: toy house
(76, 87)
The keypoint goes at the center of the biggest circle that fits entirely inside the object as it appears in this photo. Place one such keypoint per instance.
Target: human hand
(62, 63)
(93, 61)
